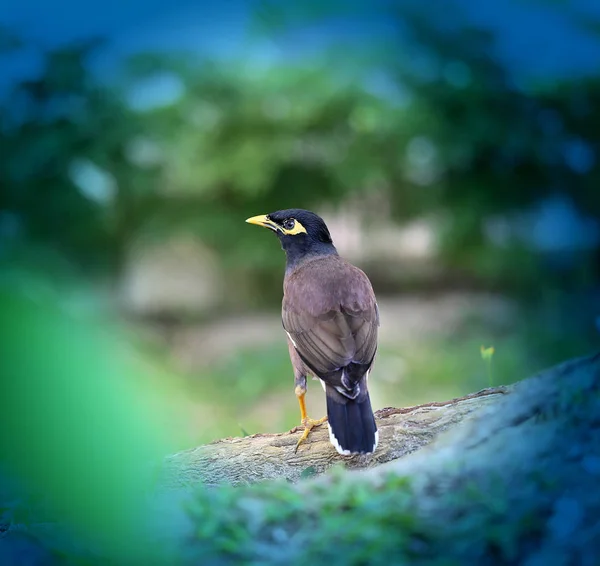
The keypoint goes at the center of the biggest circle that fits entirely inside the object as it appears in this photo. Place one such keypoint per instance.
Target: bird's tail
(352, 428)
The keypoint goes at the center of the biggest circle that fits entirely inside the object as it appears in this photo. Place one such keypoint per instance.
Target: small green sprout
(486, 356)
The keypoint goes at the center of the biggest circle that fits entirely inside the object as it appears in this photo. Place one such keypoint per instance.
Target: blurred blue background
(454, 154)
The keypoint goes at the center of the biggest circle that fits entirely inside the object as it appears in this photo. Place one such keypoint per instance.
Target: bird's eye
(289, 224)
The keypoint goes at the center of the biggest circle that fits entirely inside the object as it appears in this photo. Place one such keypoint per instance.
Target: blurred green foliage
(450, 132)
(82, 427)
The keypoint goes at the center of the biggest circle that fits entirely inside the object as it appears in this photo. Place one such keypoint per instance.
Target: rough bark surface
(240, 461)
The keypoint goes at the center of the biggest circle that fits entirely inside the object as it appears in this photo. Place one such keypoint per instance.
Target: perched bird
(330, 315)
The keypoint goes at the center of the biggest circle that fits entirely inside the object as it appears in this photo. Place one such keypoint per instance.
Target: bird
(331, 318)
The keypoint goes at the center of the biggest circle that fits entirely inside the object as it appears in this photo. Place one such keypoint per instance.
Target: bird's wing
(329, 336)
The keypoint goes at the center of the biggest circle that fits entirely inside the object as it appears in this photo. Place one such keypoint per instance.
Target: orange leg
(307, 422)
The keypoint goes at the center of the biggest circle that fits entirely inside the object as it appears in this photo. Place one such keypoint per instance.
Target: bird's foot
(308, 424)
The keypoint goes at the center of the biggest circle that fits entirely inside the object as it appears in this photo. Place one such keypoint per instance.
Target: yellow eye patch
(297, 229)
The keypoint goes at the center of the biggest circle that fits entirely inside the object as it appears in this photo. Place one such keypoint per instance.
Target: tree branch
(239, 461)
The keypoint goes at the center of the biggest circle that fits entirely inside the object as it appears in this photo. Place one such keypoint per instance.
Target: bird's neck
(299, 252)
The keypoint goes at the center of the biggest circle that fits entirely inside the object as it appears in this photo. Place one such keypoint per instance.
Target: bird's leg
(307, 422)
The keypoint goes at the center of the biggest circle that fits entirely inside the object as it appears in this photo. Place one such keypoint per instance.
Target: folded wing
(341, 334)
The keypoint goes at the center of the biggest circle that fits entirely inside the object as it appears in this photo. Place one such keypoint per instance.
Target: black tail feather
(352, 428)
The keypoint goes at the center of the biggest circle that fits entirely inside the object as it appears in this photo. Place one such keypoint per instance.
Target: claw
(308, 424)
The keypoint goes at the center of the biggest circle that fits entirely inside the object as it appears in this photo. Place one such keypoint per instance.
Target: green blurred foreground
(81, 427)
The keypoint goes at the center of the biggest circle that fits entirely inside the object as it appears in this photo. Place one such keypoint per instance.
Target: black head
(302, 233)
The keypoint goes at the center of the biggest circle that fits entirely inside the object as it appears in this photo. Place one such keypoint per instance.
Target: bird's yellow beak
(262, 220)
